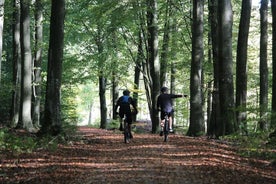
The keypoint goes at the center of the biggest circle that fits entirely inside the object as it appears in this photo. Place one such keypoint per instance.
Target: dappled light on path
(101, 156)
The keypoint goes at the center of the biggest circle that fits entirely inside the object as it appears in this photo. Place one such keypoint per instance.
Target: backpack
(126, 104)
(125, 99)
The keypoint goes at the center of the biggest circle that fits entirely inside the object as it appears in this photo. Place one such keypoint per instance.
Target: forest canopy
(67, 63)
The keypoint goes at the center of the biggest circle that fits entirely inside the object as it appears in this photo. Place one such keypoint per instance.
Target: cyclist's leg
(121, 115)
(129, 121)
(162, 122)
(162, 117)
(170, 122)
(130, 133)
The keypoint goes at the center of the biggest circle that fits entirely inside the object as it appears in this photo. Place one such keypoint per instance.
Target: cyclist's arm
(177, 96)
(158, 103)
(117, 104)
(116, 107)
(133, 103)
(135, 108)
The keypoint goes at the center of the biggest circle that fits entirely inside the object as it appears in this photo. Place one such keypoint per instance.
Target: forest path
(101, 156)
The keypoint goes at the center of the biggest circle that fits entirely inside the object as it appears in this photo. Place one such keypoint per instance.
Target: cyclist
(164, 104)
(125, 102)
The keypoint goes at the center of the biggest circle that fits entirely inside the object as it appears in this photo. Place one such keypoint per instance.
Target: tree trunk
(115, 94)
(37, 62)
(52, 121)
(90, 114)
(102, 79)
(172, 64)
(273, 9)
(102, 90)
(209, 101)
(145, 66)
(2, 3)
(26, 85)
(196, 113)
(241, 69)
(212, 130)
(263, 66)
(138, 66)
(16, 65)
(153, 60)
(165, 46)
(226, 88)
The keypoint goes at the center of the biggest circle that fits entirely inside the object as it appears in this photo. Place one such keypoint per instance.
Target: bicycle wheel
(126, 132)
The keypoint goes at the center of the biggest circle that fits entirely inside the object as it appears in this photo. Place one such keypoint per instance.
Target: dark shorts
(163, 114)
(128, 116)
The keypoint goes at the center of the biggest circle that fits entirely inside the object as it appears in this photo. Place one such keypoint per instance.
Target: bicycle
(127, 133)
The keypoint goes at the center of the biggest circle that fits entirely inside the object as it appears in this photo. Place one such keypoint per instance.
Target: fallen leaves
(101, 156)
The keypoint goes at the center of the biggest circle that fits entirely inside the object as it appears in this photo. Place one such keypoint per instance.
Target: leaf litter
(101, 156)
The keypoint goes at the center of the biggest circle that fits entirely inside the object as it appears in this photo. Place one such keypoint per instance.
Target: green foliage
(116, 23)
(19, 141)
(48, 142)
(254, 145)
(51, 143)
(5, 101)
(2, 139)
(113, 124)
(68, 131)
(16, 144)
(69, 104)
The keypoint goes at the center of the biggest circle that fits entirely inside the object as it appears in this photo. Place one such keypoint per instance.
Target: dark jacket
(164, 102)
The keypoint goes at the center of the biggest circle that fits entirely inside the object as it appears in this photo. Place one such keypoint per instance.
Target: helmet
(164, 89)
(126, 92)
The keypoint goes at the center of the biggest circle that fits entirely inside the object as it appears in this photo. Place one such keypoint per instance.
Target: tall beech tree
(172, 64)
(15, 107)
(241, 69)
(196, 113)
(52, 119)
(102, 79)
(26, 53)
(115, 94)
(263, 65)
(225, 59)
(2, 3)
(165, 45)
(37, 62)
(215, 120)
(153, 59)
(273, 108)
(138, 67)
(144, 55)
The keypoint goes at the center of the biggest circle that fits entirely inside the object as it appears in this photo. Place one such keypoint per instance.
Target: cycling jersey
(125, 102)
(164, 103)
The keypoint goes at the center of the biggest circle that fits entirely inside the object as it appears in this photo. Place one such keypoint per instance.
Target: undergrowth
(18, 142)
(257, 145)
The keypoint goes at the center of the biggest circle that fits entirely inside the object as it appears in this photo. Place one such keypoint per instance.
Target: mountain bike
(166, 128)
(127, 132)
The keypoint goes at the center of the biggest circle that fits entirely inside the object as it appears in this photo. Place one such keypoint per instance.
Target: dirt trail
(101, 156)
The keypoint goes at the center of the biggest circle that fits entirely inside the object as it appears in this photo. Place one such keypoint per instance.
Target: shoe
(171, 130)
(161, 133)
